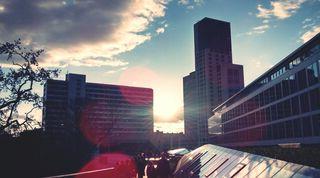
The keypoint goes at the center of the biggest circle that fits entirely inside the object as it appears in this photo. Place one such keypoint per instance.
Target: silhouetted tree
(17, 85)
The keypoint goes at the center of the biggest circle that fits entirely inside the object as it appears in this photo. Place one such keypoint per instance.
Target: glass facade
(284, 103)
(215, 161)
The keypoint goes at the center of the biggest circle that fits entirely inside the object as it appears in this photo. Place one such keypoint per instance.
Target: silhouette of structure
(103, 113)
(281, 106)
(214, 80)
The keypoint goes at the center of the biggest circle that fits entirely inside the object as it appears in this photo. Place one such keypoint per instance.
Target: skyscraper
(216, 77)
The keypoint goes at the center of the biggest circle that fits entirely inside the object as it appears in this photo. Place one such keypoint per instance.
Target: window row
(301, 80)
(301, 127)
(305, 102)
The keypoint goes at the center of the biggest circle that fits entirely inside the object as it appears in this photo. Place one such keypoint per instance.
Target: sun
(166, 106)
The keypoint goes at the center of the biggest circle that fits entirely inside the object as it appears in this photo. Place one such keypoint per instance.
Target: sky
(149, 43)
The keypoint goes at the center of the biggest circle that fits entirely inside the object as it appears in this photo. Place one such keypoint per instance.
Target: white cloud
(160, 30)
(115, 71)
(183, 2)
(280, 9)
(306, 20)
(309, 34)
(190, 4)
(259, 29)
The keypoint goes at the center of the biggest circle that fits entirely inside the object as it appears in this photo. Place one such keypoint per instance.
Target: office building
(281, 106)
(216, 77)
(190, 96)
(103, 113)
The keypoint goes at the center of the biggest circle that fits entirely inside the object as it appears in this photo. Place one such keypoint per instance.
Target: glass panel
(306, 126)
(304, 102)
(293, 84)
(302, 79)
(312, 74)
(314, 99)
(297, 127)
(251, 162)
(316, 125)
(288, 170)
(273, 169)
(307, 172)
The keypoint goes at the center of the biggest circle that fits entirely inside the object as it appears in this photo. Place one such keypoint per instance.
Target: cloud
(306, 20)
(115, 71)
(160, 30)
(309, 34)
(280, 9)
(82, 33)
(190, 4)
(259, 29)
(183, 2)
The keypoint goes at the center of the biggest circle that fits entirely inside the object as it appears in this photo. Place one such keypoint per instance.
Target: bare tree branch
(16, 85)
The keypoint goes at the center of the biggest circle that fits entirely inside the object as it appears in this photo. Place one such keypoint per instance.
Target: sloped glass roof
(215, 161)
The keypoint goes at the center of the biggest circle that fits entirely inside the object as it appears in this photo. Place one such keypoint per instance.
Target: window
(268, 115)
(266, 96)
(302, 79)
(287, 108)
(278, 91)
(281, 130)
(295, 105)
(280, 110)
(274, 112)
(297, 127)
(286, 87)
(261, 99)
(258, 118)
(304, 103)
(293, 84)
(272, 94)
(306, 126)
(289, 129)
(275, 130)
(316, 125)
(312, 74)
(314, 99)
(269, 132)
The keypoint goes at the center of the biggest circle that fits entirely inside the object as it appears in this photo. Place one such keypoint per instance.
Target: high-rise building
(190, 96)
(279, 107)
(102, 113)
(216, 77)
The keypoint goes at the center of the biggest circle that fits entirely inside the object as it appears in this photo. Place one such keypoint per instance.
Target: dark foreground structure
(215, 161)
(281, 106)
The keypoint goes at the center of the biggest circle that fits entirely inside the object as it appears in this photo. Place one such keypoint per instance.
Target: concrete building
(102, 113)
(216, 77)
(281, 106)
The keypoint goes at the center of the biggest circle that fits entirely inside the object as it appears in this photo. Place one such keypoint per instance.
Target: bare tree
(17, 85)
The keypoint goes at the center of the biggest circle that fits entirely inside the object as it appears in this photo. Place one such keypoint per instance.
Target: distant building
(190, 96)
(281, 106)
(102, 113)
(215, 78)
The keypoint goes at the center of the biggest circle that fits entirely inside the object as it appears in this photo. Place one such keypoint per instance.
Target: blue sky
(150, 43)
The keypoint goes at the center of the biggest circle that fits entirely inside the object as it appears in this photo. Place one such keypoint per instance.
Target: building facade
(216, 77)
(102, 113)
(281, 106)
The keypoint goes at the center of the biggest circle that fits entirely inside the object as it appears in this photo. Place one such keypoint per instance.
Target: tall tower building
(216, 77)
